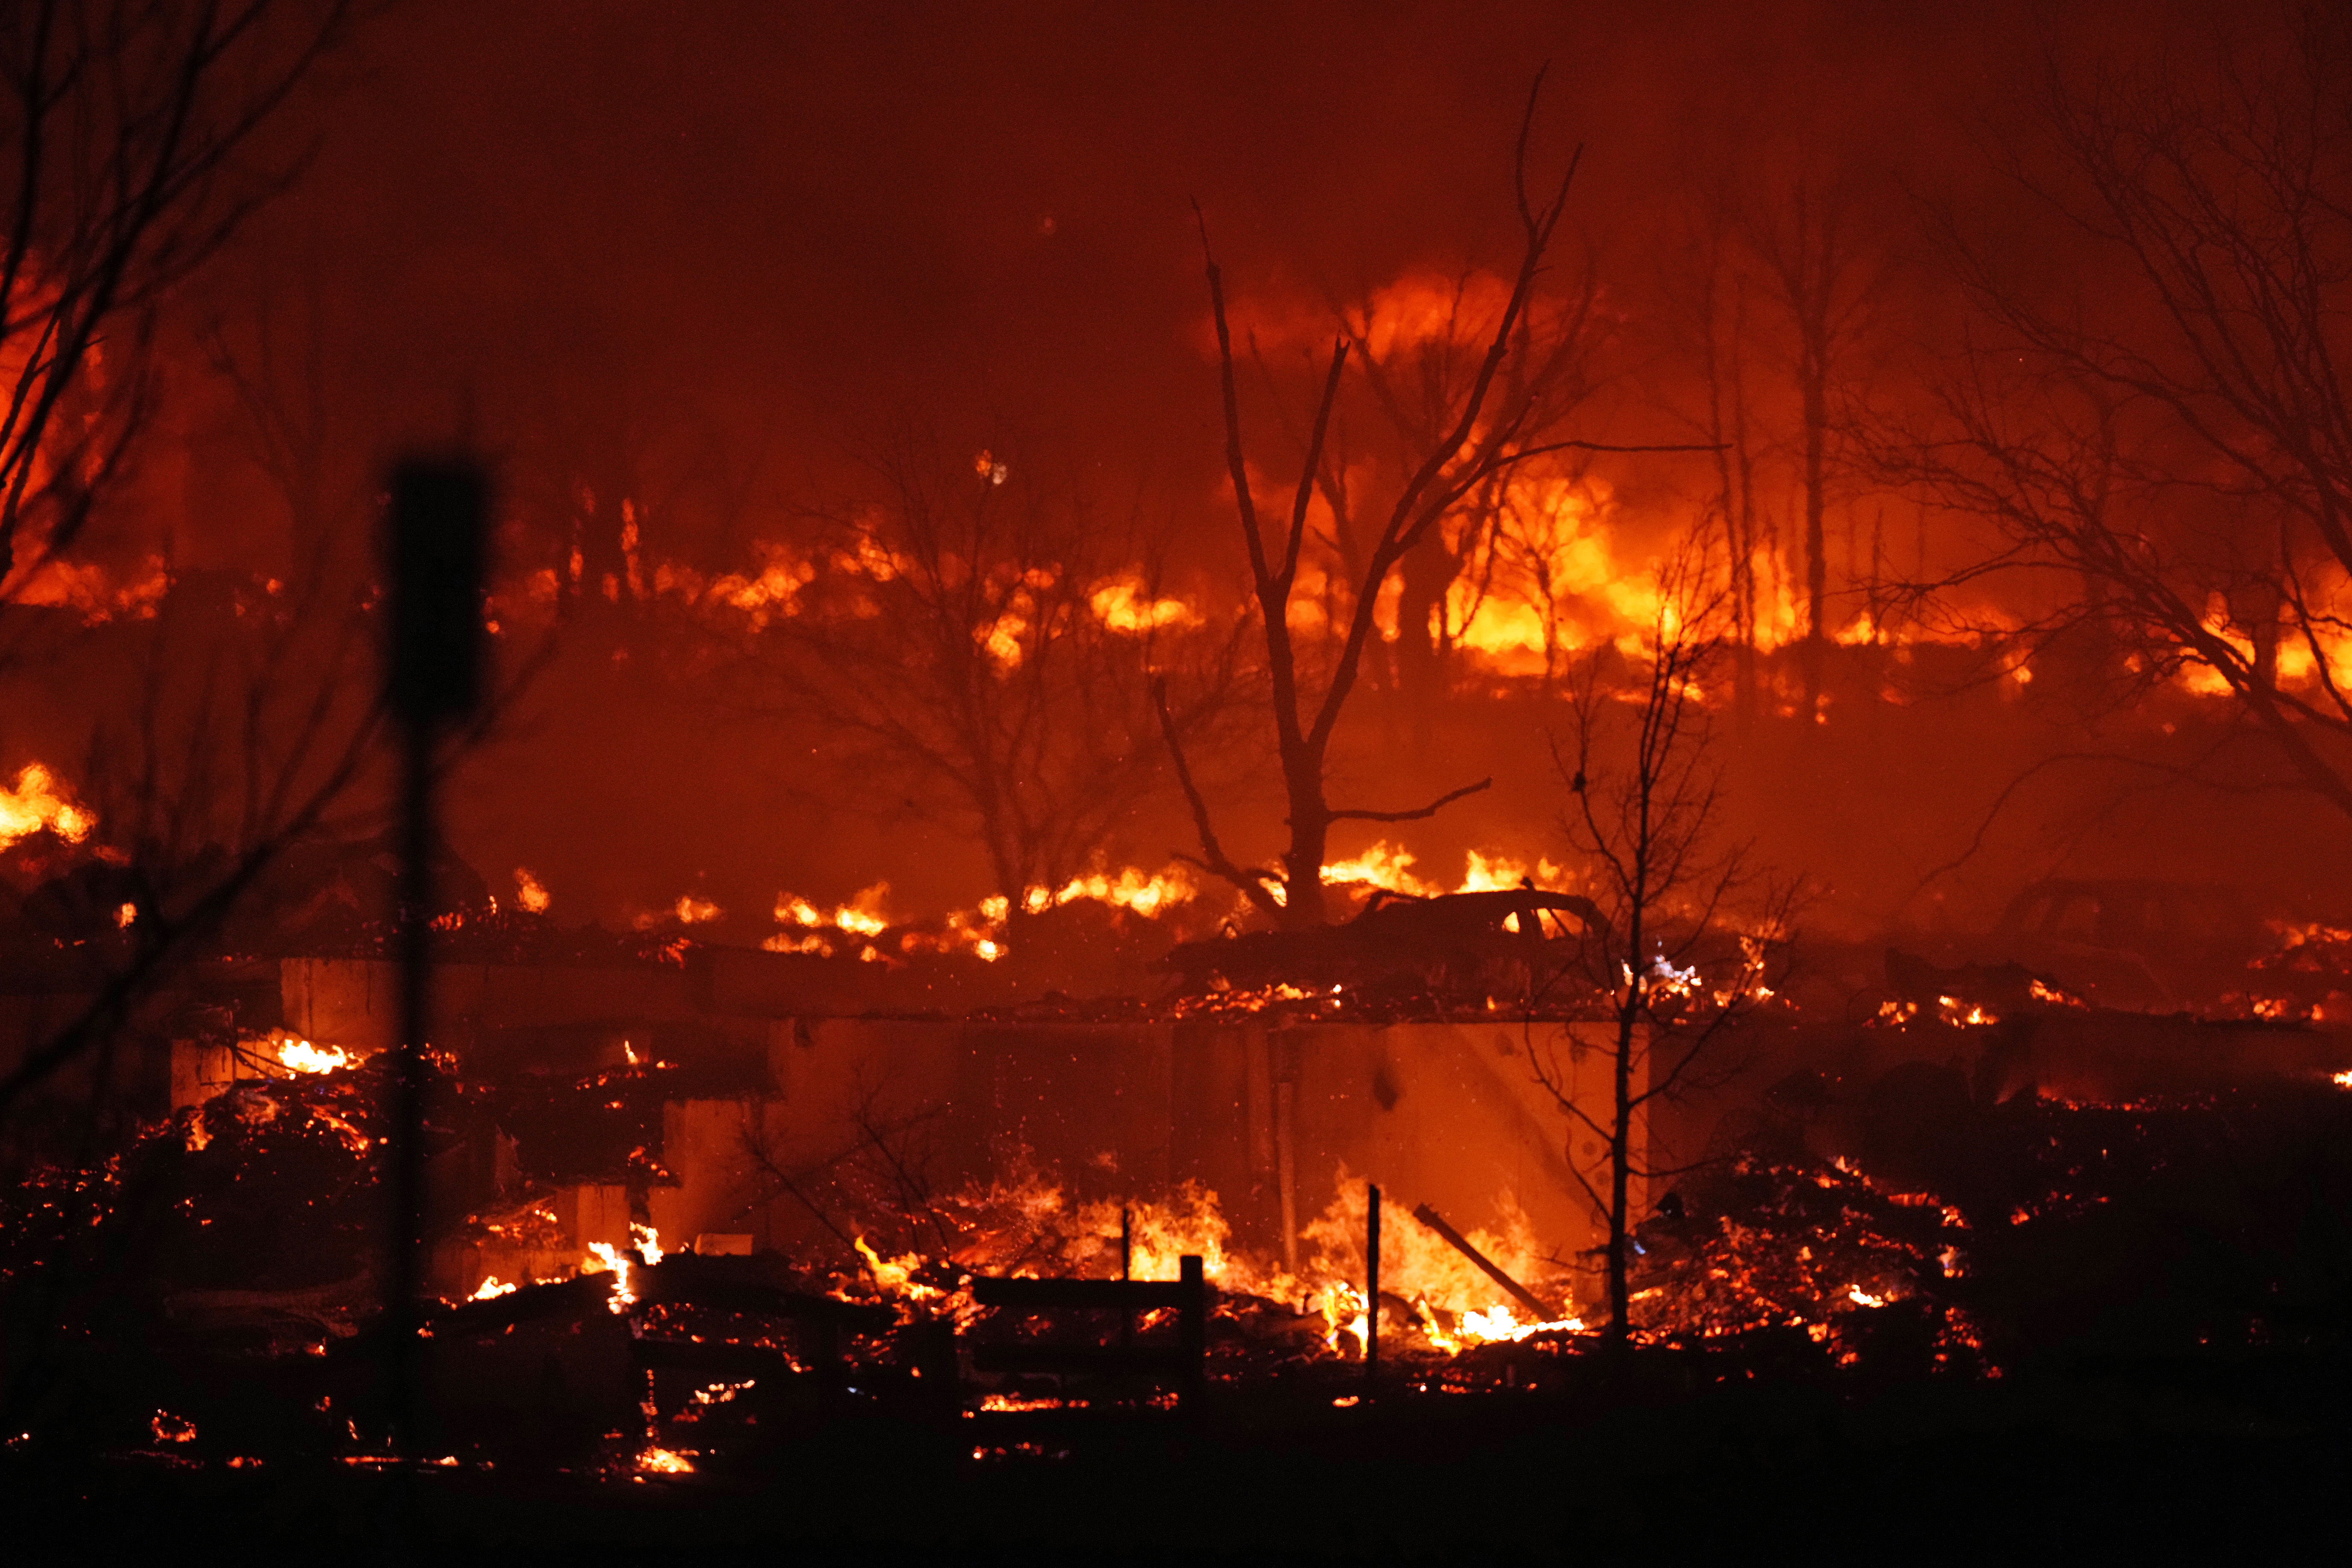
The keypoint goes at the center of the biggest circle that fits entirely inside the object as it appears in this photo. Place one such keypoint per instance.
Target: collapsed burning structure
(923, 972)
(734, 1169)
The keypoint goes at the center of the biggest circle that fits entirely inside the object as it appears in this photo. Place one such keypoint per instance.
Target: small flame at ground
(896, 1275)
(302, 1055)
(1971, 1015)
(604, 1257)
(529, 892)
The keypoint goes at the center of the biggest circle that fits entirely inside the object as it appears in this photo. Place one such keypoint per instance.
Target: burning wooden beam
(1454, 1238)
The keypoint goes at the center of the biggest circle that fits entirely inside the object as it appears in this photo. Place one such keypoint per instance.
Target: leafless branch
(1417, 814)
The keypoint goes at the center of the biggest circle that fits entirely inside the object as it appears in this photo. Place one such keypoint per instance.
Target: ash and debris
(1966, 1174)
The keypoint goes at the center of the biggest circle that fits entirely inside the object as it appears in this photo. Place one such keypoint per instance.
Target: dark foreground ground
(2108, 1332)
(1679, 1458)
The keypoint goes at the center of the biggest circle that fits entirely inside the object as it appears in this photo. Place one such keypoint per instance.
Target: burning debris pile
(248, 1224)
(1755, 1248)
(651, 1262)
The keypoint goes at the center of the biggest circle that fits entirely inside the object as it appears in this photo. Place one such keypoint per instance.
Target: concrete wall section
(715, 1149)
(1075, 1097)
(356, 1003)
(1451, 1115)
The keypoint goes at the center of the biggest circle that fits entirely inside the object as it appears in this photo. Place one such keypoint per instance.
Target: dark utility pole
(1373, 1289)
(434, 548)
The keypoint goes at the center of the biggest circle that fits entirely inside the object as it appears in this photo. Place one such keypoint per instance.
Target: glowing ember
(529, 892)
(1015, 1402)
(123, 915)
(89, 590)
(39, 802)
(357, 1142)
(665, 1462)
(171, 1429)
(1969, 1015)
(722, 1392)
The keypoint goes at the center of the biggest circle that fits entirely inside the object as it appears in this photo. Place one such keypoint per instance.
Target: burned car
(1503, 942)
(2135, 944)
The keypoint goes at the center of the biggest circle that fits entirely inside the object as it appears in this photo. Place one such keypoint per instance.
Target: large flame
(1026, 1223)
(1125, 605)
(302, 1055)
(39, 801)
(1389, 866)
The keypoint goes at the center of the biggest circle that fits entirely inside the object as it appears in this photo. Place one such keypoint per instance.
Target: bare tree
(1673, 969)
(1533, 535)
(122, 127)
(979, 644)
(1707, 310)
(1814, 271)
(1415, 382)
(1478, 431)
(2170, 445)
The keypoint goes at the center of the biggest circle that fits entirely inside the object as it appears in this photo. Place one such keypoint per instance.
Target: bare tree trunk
(1813, 373)
(1424, 575)
(1620, 1164)
(1812, 267)
(122, 128)
(1480, 443)
(1726, 430)
(1303, 904)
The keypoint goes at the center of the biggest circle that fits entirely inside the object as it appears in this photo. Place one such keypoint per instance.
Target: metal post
(1192, 1323)
(1285, 1110)
(402, 1309)
(1372, 1288)
(433, 547)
